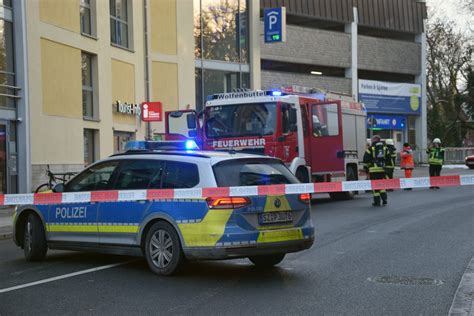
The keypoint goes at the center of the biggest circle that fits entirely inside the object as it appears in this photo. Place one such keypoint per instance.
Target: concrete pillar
(254, 43)
(23, 112)
(421, 121)
(351, 72)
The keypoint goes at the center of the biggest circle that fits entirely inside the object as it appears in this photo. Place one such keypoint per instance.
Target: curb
(463, 301)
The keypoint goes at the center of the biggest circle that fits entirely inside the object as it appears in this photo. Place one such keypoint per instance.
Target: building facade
(373, 50)
(76, 71)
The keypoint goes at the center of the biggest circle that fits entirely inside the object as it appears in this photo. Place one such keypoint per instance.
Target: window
(253, 119)
(8, 90)
(220, 30)
(218, 81)
(244, 172)
(180, 175)
(90, 147)
(119, 23)
(120, 139)
(140, 175)
(95, 178)
(87, 86)
(325, 120)
(86, 17)
(285, 120)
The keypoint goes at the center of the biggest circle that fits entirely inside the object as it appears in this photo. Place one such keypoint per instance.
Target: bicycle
(53, 179)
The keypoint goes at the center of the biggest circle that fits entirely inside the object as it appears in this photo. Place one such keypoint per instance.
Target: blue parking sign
(275, 25)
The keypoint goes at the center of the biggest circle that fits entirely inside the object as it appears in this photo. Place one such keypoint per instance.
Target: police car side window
(139, 175)
(95, 178)
(180, 175)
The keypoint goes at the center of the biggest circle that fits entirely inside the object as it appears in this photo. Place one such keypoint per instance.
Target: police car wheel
(163, 251)
(34, 242)
(267, 261)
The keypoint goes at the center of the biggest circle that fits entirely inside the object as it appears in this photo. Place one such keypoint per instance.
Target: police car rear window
(242, 172)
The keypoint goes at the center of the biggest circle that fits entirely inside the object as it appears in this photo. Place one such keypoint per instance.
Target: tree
(449, 67)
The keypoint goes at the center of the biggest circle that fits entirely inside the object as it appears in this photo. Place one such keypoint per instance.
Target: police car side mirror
(58, 188)
(191, 121)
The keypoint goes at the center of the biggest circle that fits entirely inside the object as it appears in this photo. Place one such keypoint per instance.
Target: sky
(452, 9)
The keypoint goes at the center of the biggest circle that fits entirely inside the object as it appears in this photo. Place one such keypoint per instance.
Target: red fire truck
(321, 137)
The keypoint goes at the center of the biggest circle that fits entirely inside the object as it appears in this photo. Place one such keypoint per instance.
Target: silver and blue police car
(166, 231)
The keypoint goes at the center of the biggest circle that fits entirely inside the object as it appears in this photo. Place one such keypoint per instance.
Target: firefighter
(376, 157)
(393, 157)
(435, 158)
(406, 161)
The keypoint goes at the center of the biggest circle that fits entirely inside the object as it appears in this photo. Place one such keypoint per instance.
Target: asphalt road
(404, 259)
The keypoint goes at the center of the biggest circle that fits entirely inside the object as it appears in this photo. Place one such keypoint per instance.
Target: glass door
(3, 158)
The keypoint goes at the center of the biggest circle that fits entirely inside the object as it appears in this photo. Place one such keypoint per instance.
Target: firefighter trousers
(435, 170)
(378, 194)
(389, 173)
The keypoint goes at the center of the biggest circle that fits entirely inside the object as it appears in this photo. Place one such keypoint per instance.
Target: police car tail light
(305, 198)
(227, 202)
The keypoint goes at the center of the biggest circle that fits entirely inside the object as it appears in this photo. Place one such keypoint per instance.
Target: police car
(166, 231)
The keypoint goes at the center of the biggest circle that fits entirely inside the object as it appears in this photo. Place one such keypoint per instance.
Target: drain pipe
(147, 65)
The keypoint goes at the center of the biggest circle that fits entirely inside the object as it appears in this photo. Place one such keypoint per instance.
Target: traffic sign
(275, 25)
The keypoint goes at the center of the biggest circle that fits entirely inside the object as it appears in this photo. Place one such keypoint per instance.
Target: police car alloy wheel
(34, 241)
(267, 261)
(163, 249)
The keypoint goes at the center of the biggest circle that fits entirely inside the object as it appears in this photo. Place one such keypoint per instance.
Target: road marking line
(64, 276)
(463, 301)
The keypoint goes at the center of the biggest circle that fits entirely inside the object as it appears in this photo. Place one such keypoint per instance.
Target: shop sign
(127, 108)
(390, 97)
(380, 121)
(275, 25)
(152, 112)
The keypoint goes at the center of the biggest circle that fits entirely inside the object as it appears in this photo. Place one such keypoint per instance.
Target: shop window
(88, 95)
(120, 139)
(90, 146)
(87, 17)
(120, 23)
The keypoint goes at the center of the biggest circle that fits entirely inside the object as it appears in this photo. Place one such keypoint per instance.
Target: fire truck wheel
(302, 175)
(342, 196)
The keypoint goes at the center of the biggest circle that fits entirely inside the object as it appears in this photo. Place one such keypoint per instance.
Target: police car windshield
(243, 172)
(234, 120)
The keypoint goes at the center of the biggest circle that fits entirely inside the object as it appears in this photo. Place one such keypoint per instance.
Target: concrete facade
(275, 80)
(387, 55)
(310, 46)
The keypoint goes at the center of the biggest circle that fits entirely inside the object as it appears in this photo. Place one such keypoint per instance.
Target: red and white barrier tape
(194, 193)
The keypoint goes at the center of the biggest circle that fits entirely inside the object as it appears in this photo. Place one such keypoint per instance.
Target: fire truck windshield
(237, 120)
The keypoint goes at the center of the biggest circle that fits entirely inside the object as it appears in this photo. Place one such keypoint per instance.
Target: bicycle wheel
(43, 188)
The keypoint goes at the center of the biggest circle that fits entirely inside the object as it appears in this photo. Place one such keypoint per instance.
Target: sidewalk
(6, 222)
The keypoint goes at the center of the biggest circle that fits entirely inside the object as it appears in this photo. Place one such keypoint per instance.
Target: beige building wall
(54, 55)
(172, 82)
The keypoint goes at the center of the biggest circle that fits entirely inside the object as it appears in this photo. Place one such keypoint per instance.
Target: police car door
(119, 222)
(77, 222)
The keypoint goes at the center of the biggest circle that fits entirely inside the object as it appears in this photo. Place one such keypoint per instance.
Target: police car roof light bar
(142, 145)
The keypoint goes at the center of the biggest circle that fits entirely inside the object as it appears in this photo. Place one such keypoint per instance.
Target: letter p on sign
(275, 25)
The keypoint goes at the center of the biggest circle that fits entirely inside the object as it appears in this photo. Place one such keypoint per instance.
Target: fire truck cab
(306, 132)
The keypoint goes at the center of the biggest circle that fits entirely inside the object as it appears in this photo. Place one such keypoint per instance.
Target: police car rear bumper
(241, 251)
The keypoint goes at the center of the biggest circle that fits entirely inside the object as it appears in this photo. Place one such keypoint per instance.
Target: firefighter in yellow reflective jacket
(435, 159)
(376, 157)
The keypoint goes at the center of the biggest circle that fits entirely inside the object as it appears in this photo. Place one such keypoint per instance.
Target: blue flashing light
(161, 145)
(276, 93)
(190, 145)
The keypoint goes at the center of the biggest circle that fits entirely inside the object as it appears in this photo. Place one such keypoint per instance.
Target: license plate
(275, 217)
